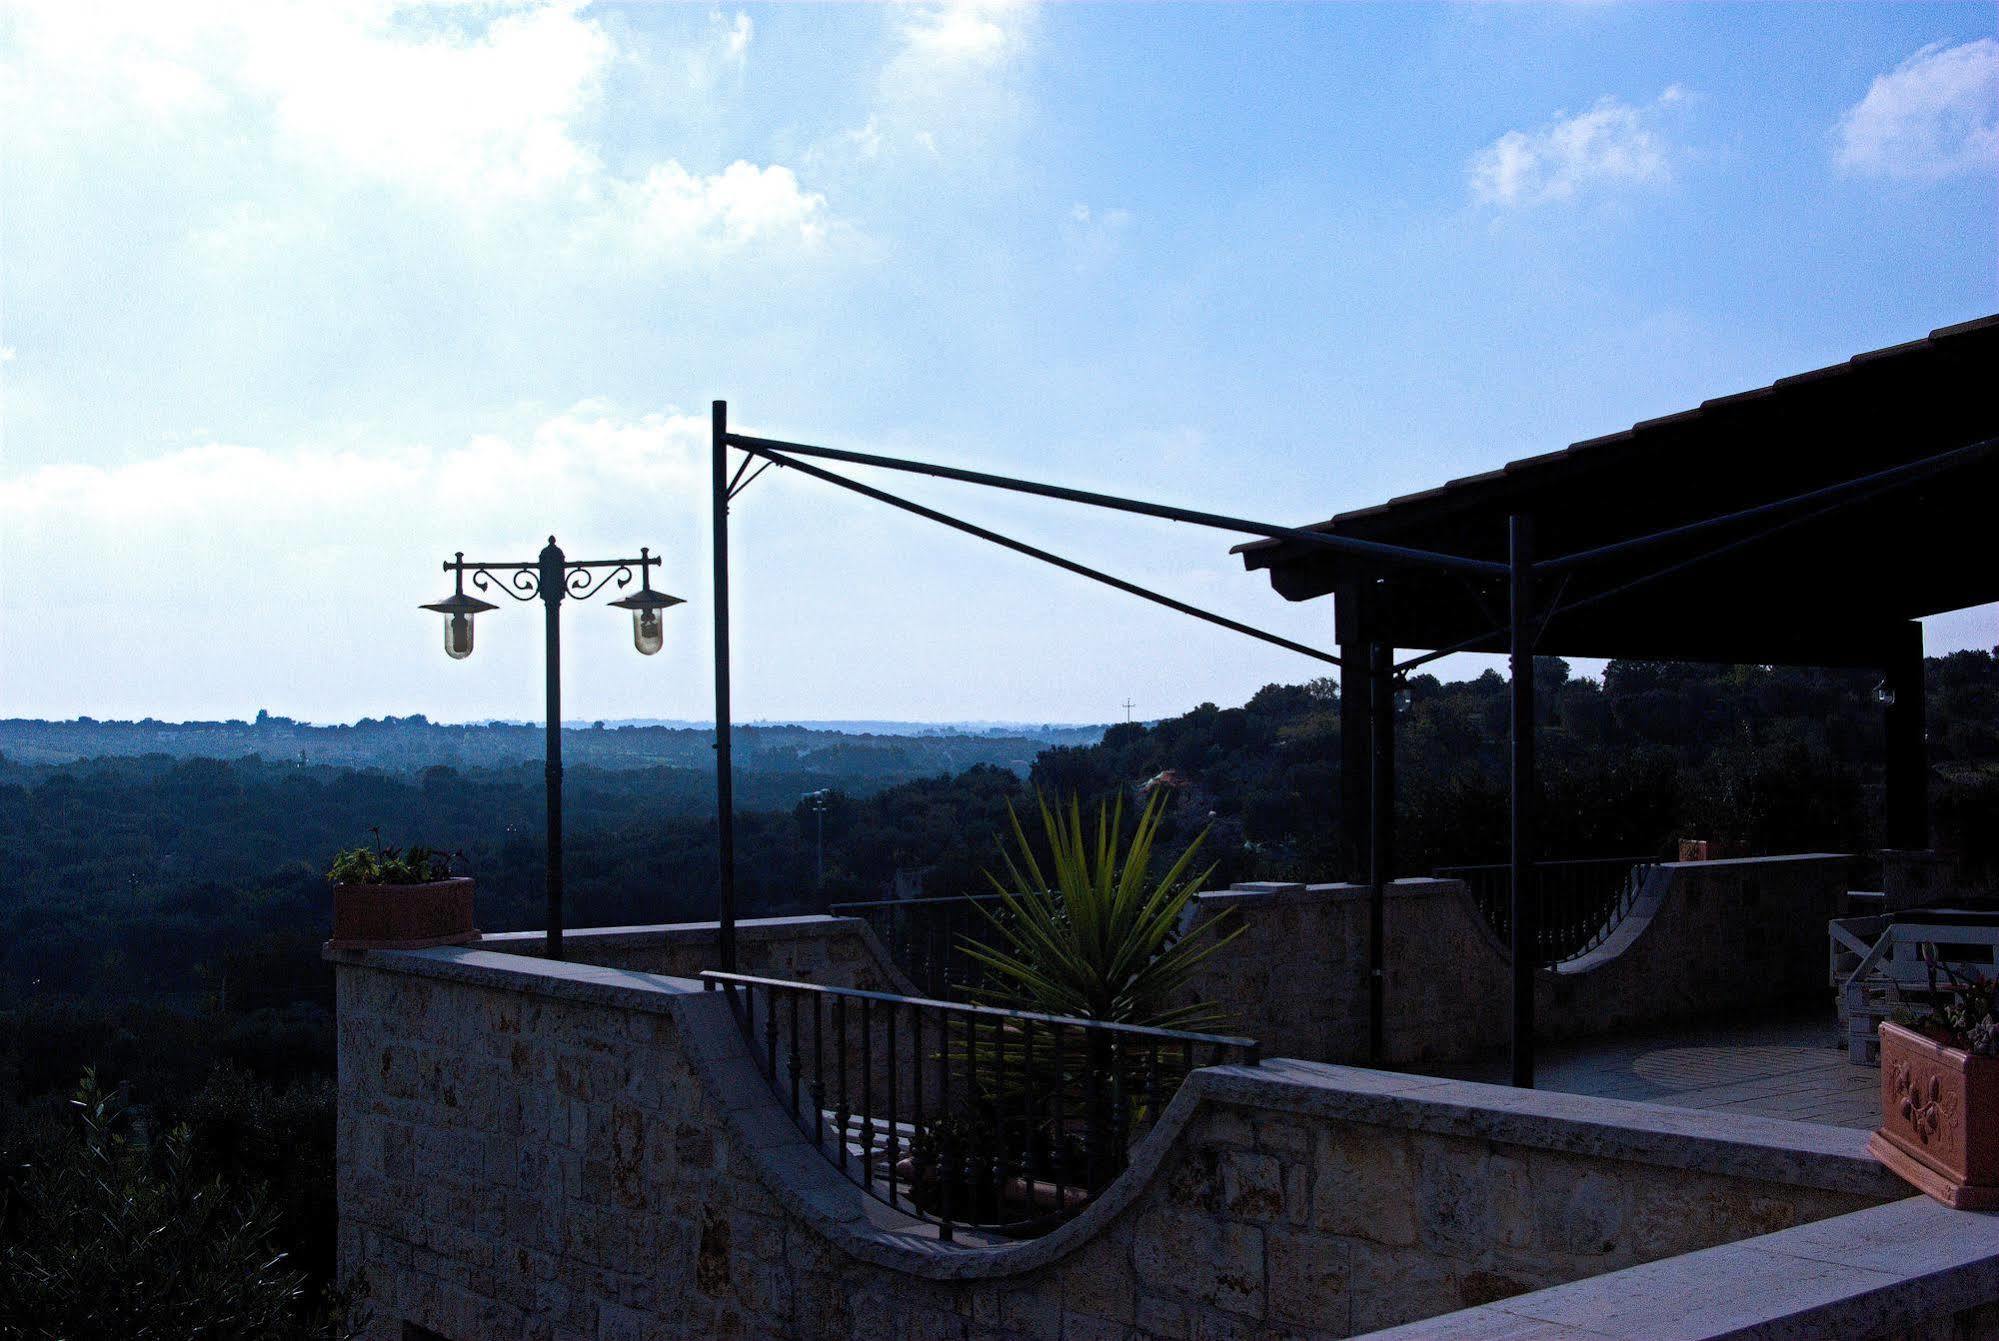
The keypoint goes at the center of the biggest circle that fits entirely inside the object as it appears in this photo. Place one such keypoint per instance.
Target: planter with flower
(387, 898)
(1940, 1092)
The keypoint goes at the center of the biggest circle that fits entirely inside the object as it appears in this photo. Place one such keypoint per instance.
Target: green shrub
(112, 1232)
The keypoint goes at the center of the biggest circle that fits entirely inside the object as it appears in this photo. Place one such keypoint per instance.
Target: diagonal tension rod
(1021, 547)
(1362, 549)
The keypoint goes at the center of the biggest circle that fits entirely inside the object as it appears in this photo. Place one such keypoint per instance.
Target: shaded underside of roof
(1830, 590)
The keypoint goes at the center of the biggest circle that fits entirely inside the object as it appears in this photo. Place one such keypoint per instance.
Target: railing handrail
(715, 977)
(871, 904)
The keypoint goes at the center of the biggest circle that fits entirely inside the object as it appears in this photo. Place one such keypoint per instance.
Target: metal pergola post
(1355, 719)
(725, 782)
(1380, 837)
(1907, 750)
(1525, 904)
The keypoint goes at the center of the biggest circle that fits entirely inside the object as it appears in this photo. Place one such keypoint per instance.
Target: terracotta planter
(403, 917)
(1939, 1119)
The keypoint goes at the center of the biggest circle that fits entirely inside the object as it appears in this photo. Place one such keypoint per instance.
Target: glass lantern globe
(458, 610)
(646, 605)
(458, 636)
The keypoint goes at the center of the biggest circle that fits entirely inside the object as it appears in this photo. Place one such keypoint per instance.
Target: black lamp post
(553, 578)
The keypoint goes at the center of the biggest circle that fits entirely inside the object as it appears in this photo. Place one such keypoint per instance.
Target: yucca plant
(1049, 1112)
(1095, 935)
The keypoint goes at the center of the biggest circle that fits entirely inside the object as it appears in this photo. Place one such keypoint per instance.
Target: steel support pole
(553, 578)
(1380, 838)
(725, 790)
(1351, 631)
(1907, 749)
(1526, 905)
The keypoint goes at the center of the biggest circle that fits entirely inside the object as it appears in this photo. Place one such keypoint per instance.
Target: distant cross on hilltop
(1127, 709)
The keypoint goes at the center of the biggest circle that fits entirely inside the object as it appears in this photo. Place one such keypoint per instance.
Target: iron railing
(927, 938)
(1004, 1122)
(1581, 901)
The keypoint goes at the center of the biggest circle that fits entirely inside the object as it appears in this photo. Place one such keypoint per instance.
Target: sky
(297, 299)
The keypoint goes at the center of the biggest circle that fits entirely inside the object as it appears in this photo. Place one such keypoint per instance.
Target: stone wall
(1701, 938)
(837, 951)
(1295, 978)
(1704, 937)
(540, 1150)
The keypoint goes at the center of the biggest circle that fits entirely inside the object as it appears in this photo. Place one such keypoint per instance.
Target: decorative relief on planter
(1939, 1119)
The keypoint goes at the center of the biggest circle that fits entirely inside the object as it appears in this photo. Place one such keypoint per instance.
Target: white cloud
(671, 207)
(290, 575)
(1612, 144)
(959, 34)
(948, 87)
(736, 39)
(1935, 115)
(483, 110)
(585, 459)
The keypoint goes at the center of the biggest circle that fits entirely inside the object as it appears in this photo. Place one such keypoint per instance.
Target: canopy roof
(1825, 589)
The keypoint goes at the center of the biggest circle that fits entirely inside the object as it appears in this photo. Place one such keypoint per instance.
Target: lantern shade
(646, 605)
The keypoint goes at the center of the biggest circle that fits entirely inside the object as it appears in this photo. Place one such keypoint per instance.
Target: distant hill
(412, 744)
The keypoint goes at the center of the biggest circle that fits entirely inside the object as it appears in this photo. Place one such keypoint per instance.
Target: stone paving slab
(1794, 1068)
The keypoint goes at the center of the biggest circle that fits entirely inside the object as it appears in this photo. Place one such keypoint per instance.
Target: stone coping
(1756, 861)
(803, 926)
(1276, 891)
(1802, 1154)
(1886, 1270)
(562, 979)
(1741, 1145)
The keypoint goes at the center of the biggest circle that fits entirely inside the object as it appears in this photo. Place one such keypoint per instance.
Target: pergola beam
(1375, 551)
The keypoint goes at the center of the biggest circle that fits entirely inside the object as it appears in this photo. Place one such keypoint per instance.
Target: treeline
(410, 744)
(1765, 759)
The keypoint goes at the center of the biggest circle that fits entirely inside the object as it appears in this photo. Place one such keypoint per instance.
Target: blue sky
(297, 299)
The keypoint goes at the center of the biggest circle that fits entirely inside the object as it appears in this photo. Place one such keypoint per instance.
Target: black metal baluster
(1120, 1132)
(1068, 1156)
(946, 1156)
(1030, 1158)
(1152, 1081)
(1094, 1127)
(792, 1068)
(867, 1095)
(841, 1113)
(818, 1071)
(894, 1108)
(770, 1033)
(998, 1150)
(916, 1070)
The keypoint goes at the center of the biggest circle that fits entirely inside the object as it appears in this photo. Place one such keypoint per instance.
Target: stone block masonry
(1701, 937)
(550, 1151)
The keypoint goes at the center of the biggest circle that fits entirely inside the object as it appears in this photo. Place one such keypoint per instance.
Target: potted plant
(387, 898)
(1940, 1091)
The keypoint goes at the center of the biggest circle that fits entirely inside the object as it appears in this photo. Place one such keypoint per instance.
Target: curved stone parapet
(1700, 937)
(531, 1148)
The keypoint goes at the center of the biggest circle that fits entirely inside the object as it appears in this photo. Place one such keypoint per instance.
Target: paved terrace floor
(1793, 1068)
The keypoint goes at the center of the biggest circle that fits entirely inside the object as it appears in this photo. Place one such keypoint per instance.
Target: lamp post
(817, 801)
(553, 578)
